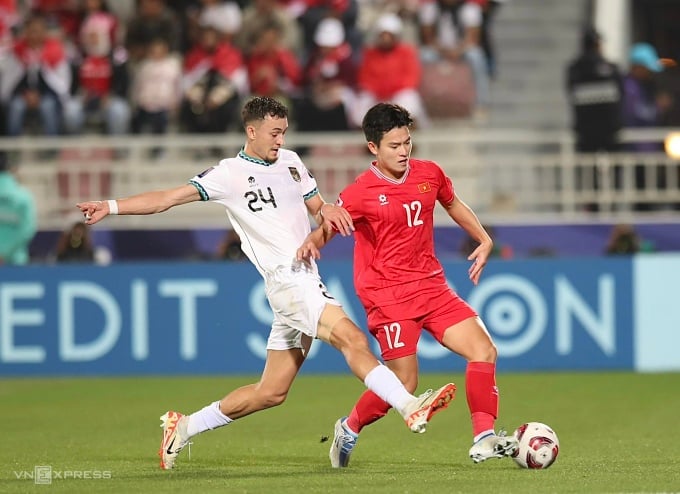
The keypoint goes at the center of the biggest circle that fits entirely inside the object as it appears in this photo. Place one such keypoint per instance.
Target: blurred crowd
(147, 66)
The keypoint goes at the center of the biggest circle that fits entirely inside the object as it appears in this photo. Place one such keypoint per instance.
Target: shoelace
(501, 447)
(425, 395)
(347, 438)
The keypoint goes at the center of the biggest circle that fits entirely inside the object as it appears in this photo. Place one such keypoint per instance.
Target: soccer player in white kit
(269, 195)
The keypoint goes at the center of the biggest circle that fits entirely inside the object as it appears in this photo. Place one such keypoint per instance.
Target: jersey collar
(242, 154)
(380, 174)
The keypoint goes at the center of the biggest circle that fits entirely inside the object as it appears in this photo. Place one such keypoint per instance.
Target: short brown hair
(259, 107)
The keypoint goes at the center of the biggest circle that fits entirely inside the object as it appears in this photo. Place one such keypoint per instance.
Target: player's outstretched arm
(145, 203)
(462, 214)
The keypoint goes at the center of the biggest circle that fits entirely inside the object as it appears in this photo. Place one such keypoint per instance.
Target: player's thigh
(471, 340)
(455, 325)
(397, 328)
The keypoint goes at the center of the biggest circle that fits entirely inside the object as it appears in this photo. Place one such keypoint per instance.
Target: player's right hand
(94, 211)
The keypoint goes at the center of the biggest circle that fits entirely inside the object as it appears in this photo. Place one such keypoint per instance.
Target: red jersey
(385, 73)
(394, 258)
(95, 76)
(272, 72)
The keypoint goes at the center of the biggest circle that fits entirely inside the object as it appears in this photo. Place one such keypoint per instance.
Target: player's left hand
(479, 257)
(307, 251)
(338, 218)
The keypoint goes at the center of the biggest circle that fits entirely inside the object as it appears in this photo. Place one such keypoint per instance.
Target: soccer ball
(538, 446)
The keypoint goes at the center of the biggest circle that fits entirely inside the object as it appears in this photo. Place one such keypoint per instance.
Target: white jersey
(265, 203)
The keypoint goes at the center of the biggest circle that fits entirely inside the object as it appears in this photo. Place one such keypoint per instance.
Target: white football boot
(344, 442)
(426, 405)
(174, 426)
(493, 446)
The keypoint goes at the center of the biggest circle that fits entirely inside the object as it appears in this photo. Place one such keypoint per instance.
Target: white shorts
(297, 298)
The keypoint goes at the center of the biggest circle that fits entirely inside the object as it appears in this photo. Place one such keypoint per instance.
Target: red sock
(482, 395)
(367, 410)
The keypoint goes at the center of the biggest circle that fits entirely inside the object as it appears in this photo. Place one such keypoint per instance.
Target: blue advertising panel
(548, 314)
(212, 318)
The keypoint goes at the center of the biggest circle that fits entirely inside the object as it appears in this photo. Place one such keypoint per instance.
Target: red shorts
(397, 327)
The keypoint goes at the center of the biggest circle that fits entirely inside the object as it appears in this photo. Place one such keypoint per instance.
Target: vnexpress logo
(44, 474)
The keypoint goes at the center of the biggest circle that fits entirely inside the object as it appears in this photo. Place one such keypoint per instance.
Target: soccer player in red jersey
(402, 285)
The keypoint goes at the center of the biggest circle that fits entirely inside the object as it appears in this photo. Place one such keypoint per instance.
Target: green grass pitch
(618, 433)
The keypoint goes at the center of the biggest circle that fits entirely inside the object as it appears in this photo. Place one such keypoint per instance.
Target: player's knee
(486, 352)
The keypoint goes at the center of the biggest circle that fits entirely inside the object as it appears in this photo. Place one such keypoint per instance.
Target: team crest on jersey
(251, 181)
(383, 199)
(294, 173)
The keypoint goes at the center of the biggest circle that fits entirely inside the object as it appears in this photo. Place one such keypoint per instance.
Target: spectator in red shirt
(36, 78)
(272, 69)
(329, 81)
(390, 71)
(101, 81)
(214, 80)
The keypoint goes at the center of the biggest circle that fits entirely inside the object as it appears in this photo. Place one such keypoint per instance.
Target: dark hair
(382, 118)
(259, 107)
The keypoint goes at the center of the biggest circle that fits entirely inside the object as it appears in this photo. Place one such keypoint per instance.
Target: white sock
(482, 434)
(385, 383)
(207, 418)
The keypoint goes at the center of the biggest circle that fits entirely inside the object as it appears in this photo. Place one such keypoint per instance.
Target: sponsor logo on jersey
(424, 187)
(205, 172)
(294, 173)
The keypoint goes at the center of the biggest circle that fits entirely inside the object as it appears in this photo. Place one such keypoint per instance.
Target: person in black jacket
(595, 91)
